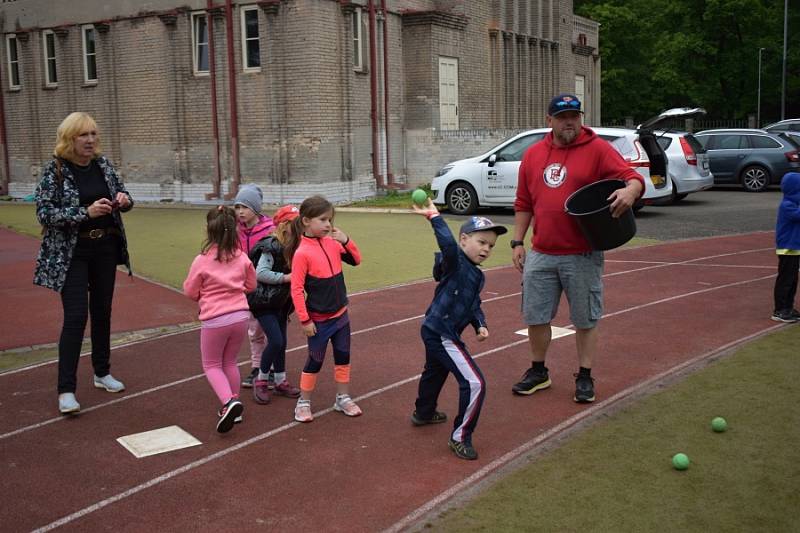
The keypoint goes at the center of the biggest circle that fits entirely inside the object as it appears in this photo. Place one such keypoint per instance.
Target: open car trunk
(648, 140)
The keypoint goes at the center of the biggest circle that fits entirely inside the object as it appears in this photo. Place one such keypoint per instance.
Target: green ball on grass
(680, 461)
(419, 197)
(719, 424)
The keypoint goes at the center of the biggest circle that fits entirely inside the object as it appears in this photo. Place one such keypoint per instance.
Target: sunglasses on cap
(570, 103)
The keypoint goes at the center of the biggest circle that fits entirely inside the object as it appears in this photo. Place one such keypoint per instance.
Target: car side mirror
(492, 160)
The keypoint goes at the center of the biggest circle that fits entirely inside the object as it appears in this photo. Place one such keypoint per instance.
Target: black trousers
(786, 282)
(89, 289)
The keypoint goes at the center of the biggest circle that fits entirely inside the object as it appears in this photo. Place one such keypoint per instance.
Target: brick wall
(304, 118)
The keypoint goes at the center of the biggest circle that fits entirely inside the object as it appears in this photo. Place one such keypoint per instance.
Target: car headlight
(444, 170)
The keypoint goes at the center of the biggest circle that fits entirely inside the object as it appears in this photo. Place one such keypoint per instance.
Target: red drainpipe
(373, 95)
(233, 101)
(214, 123)
(4, 140)
(389, 175)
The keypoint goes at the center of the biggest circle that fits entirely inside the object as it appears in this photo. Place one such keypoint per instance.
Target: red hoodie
(550, 173)
(248, 237)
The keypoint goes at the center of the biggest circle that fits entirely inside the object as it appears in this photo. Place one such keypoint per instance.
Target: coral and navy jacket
(550, 173)
(457, 300)
(249, 237)
(787, 228)
(317, 270)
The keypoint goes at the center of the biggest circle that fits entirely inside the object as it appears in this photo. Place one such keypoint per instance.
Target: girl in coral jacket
(315, 249)
(218, 280)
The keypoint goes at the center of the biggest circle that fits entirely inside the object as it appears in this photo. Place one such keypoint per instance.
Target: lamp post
(783, 76)
(758, 112)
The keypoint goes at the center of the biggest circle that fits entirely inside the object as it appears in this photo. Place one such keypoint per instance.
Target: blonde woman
(78, 203)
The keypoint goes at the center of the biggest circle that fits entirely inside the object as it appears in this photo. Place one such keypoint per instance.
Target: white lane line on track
(510, 455)
(366, 330)
(222, 453)
(470, 481)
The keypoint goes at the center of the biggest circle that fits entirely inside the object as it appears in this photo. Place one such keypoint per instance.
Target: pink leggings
(219, 348)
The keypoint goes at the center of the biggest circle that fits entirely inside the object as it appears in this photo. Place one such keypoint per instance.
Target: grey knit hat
(250, 196)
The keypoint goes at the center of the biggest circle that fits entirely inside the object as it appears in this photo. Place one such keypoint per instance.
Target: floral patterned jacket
(60, 213)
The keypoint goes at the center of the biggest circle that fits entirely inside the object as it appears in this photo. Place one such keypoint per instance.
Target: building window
(89, 55)
(200, 43)
(359, 21)
(251, 44)
(50, 71)
(13, 62)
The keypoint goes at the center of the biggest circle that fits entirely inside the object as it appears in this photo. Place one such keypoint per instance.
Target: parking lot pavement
(718, 211)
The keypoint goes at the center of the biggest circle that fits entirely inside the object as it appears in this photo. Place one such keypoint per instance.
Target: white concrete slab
(556, 332)
(162, 440)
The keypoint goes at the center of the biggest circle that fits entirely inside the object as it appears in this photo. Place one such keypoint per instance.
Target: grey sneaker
(109, 383)
(67, 403)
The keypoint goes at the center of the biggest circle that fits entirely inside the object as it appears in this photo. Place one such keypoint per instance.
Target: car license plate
(657, 180)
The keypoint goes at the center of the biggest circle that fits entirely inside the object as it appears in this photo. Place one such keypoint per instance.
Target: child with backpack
(271, 305)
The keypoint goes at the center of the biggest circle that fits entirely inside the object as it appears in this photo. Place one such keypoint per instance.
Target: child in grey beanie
(250, 196)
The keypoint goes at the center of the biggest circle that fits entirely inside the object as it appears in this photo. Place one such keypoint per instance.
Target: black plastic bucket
(590, 207)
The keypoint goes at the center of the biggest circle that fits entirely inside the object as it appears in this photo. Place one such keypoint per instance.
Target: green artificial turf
(396, 248)
(618, 475)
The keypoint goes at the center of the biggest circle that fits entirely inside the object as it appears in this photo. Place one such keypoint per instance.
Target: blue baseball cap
(474, 224)
(564, 102)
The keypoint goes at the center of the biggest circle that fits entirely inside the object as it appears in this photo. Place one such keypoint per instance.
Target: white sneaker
(109, 383)
(345, 404)
(302, 411)
(67, 403)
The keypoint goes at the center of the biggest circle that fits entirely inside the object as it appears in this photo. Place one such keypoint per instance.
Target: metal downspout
(389, 175)
(4, 139)
(373, 95)
(237, 176)
(216, 193)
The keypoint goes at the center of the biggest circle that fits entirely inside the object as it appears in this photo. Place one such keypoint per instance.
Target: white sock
(262, 376)
(280, 377)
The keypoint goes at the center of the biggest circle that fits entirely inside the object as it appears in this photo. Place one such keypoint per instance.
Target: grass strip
(618, 476)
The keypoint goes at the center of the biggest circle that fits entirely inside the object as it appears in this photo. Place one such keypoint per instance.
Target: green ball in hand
(680, 461)
(719, 424)
(419, 197)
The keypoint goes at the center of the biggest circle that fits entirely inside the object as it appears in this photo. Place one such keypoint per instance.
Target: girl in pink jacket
(218, 280)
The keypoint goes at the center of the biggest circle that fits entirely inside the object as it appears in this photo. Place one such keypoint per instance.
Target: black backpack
(269, 298)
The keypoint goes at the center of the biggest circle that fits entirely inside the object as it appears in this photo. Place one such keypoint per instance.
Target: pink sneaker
(261, 391)
(302, 411)
(286, 389)
(345, 404)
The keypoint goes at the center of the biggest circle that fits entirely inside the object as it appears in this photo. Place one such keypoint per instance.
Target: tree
(704, 53)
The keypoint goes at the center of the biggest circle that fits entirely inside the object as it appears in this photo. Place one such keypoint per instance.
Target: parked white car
(490, 179)
(689, 168)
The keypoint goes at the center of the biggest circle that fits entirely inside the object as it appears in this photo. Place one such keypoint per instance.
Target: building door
(448, 93)
(580, 92)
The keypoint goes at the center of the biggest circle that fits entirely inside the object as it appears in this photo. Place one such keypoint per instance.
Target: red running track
(36, 315)
(375, 472)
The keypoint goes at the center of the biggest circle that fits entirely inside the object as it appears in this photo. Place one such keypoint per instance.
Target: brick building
(338, 97)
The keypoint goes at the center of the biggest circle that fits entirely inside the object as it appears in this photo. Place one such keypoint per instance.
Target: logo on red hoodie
(554, 175)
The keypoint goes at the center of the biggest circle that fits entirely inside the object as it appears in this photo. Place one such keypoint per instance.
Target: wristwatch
(514, 243)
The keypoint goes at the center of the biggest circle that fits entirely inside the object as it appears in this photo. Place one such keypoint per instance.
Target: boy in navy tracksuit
(456, 304)
(787, 246)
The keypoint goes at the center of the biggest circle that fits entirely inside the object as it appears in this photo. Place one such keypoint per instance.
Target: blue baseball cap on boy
(474, 224)
(564, 102)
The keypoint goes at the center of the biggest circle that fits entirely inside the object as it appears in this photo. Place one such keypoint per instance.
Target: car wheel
(461, 199)
(755, 178)
(677, 196)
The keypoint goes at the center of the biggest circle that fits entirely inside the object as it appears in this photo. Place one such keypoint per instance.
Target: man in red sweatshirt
(561, 260)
